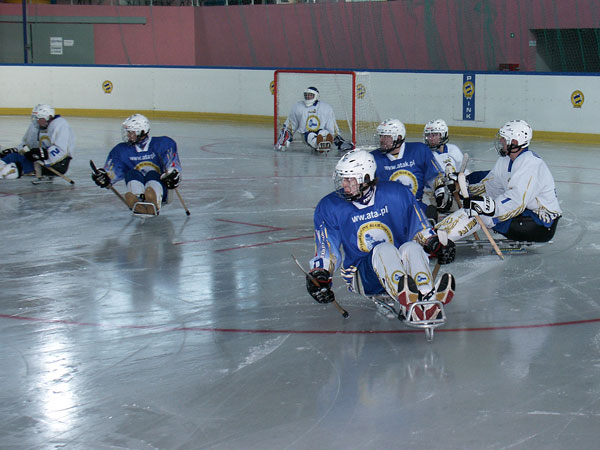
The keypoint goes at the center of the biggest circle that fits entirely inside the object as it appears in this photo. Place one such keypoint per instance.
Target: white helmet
(395, 129)
(41, 111)
(437, 126)
(313, 93)
(517, 130)
(137, 123)
(358, 164)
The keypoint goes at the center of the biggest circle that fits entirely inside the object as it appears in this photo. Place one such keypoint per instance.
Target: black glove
(445, 254)
(37, 154)
(483, 206)
(101, 178)
(318, 284)
(171, 178)
(342, 144)
(8, 151)
(443, 199)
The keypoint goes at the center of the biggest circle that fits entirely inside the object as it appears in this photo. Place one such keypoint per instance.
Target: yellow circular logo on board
(361, 90)
(468, 89)
(272, 87)
(107, 86)
(577, 99)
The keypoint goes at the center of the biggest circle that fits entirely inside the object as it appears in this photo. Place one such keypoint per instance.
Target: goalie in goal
(315, 120)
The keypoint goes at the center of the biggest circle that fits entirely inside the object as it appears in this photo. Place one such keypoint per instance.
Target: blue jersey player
(149, 165)
(410, 163)
(383, 238)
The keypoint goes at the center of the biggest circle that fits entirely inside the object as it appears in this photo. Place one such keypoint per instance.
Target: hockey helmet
(393, 128)
(137, 123)
(432, 128)
(517, 130)
(311, 96)
(358, 165)
(42, 111)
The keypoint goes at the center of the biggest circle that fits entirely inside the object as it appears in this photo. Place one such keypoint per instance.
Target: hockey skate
(324, 143)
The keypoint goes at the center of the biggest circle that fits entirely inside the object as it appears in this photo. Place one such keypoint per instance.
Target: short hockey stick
(187, 211)
(110, 186)
(465, 193)
(462, 169)
(342, 311)
(55, 172)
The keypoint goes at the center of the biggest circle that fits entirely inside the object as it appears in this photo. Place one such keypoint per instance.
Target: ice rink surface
(197, 332)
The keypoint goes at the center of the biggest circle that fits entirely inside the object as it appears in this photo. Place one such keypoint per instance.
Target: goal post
(348, 92)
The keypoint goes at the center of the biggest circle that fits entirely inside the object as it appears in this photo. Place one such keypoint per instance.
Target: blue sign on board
(469, 96)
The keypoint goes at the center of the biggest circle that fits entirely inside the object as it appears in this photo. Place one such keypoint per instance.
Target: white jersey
(58, 139)
(303, 119)
(452, 155)
(525, 183)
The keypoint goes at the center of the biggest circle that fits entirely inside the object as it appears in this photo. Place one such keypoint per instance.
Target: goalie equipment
(324, 142)
(311, 96)
(435, 134)
(9, 171)
(284, 139)
(318, 285)
(137, 124)
(445, 254)
(8, 151)
(171, 178)
(101, 178)
(480, 205)
(342, 144)
(358, 165)
(514, 130)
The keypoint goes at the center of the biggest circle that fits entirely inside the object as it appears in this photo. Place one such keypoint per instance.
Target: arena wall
(563, 107)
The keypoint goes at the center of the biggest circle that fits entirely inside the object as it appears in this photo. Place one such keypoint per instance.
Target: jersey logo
(146, 166)
(313, 123)
(372, 233)
(44, 141)
(407, 179)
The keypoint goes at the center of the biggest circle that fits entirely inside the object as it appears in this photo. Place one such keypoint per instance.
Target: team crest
(372, 233)
(421, 278)
(407, 179)
(313, 123)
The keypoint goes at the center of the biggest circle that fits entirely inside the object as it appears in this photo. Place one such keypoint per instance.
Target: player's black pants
(61, 167)
(524, 228)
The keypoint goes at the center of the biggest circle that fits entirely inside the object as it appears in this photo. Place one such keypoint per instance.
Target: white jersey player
(149, 165)
(517, 198)
(384, 238)
(449, 157)
(315, 121)
(48, 141)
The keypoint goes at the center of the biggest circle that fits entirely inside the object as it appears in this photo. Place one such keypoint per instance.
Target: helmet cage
(137, 123)
(517, 130)
(435, 127)
(359, 165)
(313, 96)
(393, 128)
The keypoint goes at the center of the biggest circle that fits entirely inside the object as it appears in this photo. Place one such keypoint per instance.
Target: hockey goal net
(349, 93)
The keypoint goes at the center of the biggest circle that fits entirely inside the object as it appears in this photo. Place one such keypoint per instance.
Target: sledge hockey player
(48, 141)
(517, 198)
(449, 158)
(410, 163)
(149, 166)
(385, 241)
(315, 120)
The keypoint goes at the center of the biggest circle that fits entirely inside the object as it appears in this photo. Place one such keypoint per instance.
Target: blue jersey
(157, 153)
(392, 217)
(415, 168)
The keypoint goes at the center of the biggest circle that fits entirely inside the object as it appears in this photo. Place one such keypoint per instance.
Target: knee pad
(458, 225)
(10, 171)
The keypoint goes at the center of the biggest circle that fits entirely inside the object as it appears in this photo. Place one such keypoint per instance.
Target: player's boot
(407, 293)
(442, 292)
(150, 197)
(131, 199)
(324, 143)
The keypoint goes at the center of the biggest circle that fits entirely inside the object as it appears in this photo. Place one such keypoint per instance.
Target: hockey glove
(342, 145)
(284, 139)
(8, 151)
(101, 178)
(445, 254)
(171, 178)
(37, 154)
(478, 205)
(318, 284)
(443, 199)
